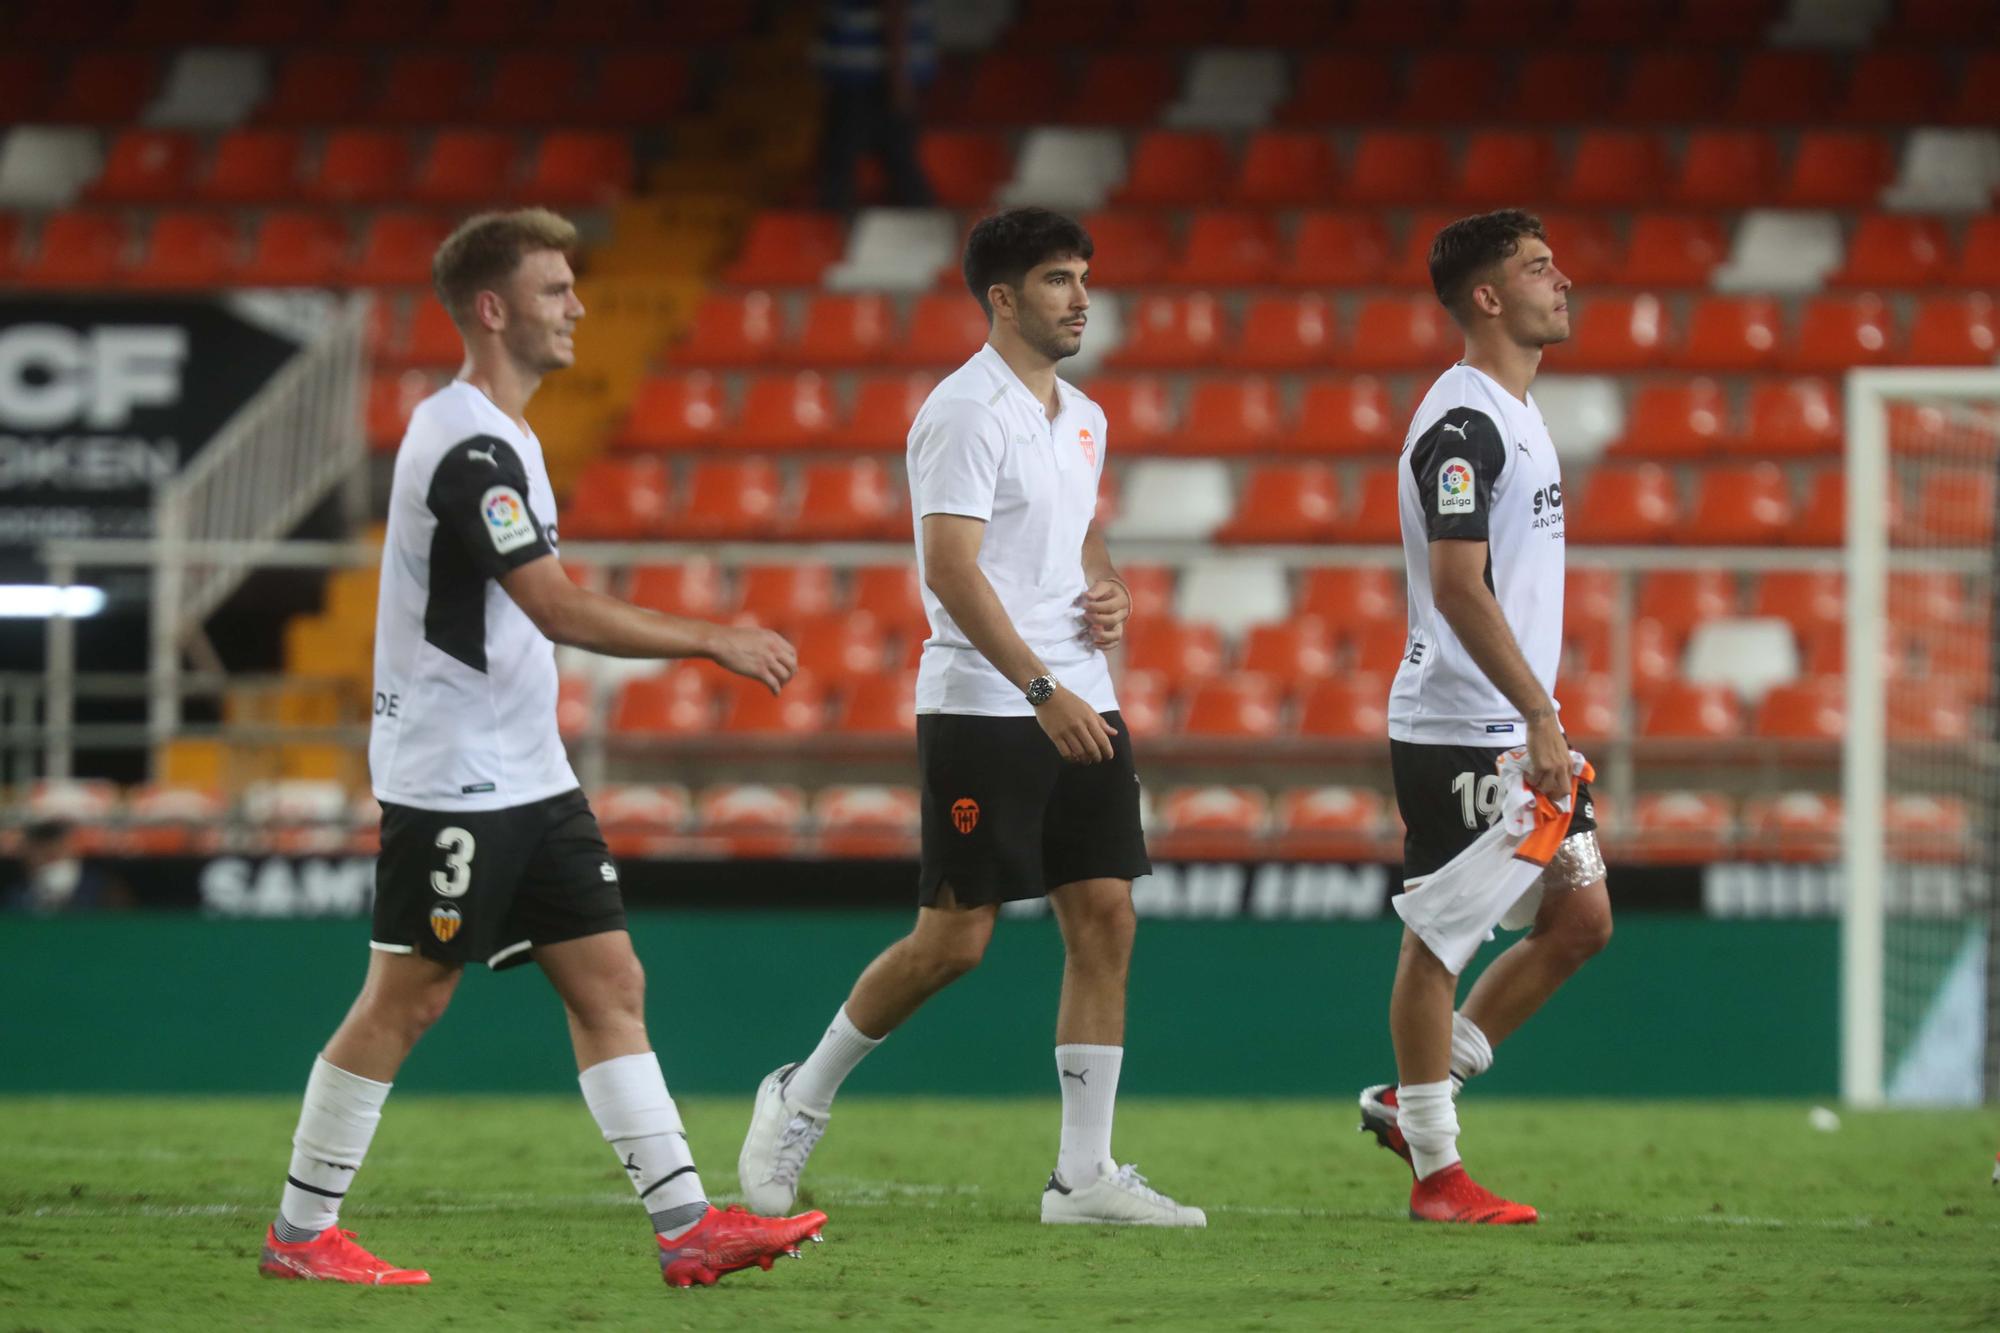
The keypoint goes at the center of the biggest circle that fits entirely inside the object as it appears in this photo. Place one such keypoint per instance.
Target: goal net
(1920, 765)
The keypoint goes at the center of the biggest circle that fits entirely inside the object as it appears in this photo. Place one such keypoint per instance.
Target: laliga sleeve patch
(507, 521)
(1455, 494)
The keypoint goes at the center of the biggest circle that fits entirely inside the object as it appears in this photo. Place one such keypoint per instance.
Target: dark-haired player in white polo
(1028, 780)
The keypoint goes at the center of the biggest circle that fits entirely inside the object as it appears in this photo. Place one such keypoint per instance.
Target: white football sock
(628, 1097)
(336, 1122)
(1471, 1053)
(1089, 1079)
(814, 1083)
(1429, 1121)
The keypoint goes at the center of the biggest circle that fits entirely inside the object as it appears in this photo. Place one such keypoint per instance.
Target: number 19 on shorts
(1478, 798)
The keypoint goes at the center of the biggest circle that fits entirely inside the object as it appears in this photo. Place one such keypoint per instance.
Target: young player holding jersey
(1481, 501)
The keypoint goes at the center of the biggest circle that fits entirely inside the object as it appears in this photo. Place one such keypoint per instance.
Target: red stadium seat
(466, 167)
(1375, 518)
(884, 408)
(1839, 169)
(1749, 505)
(1630, 504)
(1798, 826)
(24, 81)
(1811, 601)
(1955, 331)
(1800, 416)
(618, 499)
(798, 710)
(1616, 168)
(1343, 596)
(1681, 711)
(1617, 333)
(843, 330)
(1812, 709)
(1670, 87)
(1116, 88)
(319, 88)
(1397, 167)
(1822, 520)
(1894, 88)
(1349, 708)
(1292, 502)
(841, 645)
(1333, 824)
(1503, 167)
(1837, 332)
(1563, 88)
(848, 502)
(1242, 415)
(752, 819)
(638, 88)
(964, 167)
(1347, 415)
(673, 703)
(1888, 250)
(392, 396)
(377, 22)
(145, 167)
(1589, 707)
(1140, 410)
(787, 249)
(1728, 169)
(1450, 88)
(1282, 23)
(1338, 88)
(1673, 250)
(1174, 331)
(1587, 248)
(1682, 419)
(1004, 88)
(396, 250)
(1240, 706)
(1294, 653)
(892, 595)
(10, 244)
(1174, 168)
(1781, 88)
(1152, 588)
(1287, 169)
(1928, 716)
(1143, 703)
(1682, 828)
(945, 329)
(1979, 91)
(104, 88)
(1180, 652)
(693, 588)
(1213, 823)
(782, 595)
(677, 411)
(1734, 334)
(1378, 647)
(1678, 600)
(77, 250)
(253, 166)
(786, 411)
(1410, 266)
(1402, 333)
(363, 167)
(734, 329)
(1132, 249)
(637, 819)
(425, 88)
(187, 249)
(1286, 333)
(433, 339)
(583, 167)
(1954, 508)
(1229, 249)
(1338, 250)
(1928, 828)
(738, 500)
(879, 705)
(534, 87)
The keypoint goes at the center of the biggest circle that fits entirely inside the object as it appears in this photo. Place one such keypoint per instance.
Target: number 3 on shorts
(456, 877)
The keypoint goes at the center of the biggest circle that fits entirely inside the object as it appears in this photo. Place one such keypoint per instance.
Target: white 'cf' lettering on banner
(54, 376)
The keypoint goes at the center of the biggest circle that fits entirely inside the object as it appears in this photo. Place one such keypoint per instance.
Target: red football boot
(732, 1238)
(332, 1256)
(1452, 1196)
(1378, 1117)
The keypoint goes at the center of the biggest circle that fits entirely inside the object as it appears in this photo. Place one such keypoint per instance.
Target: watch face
(1041, 689)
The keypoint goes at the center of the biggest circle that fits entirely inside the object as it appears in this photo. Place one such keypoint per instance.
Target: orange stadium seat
(1811, 709)
(425, 88)
(1727, 169)
(1228, 249)
(145, 167)
(1562, 87)
(1954, 508)
(618, 499)
(841, 645)
(1287, 169)
(1180, 652)
(573, 706)
(733, 500)
(1836, 332)
(683, 410)
(1233, 416)
(1928, 716)
(1811, 601)
(1955, 331)
(1682, 828)
(1615, 168)
(849, 502)
(1631, 504)
(1236, 706)
(583, 167)
(363, 167)
(1588, 249)
(1286, 333)
(787, 249)
(1502, 167)
(297, 249)
(693, 588)
(466, 167)
(1402, 333)
(785, 594)
(1781, 88)
(1378, 646)
(1140, 410)
(1116, 88)
(1889, 250)
(1212, 822)
(945, 328)
(1682, 711)
(1839, 169)
(1174, 168)
(1344, 415)
(751, 819)
(845, 330)
(891, 594)
(1289, 502)
(1928, 828)
(1680, 599)
(673, 703)
(530, 87)
(1332, 823)
(1143, 703)
(1294, 653)
(104, 88)
(1747, 505)
(1889, 87)
(1005, 88)
(734, 329)
(793, 410)
(77, 250)
(636, 818)
(1589, 706)
(1130, 248)
(1152, 588)
(392, 396)
(879, 705)
(868, 820)
(1450, 88)
(1670, 87)
(884, 408)
(799, 710)
(253, 166)
(1410, 266)
(1338, 249)
(1374, 520)
(964, 167)
(1734, 334)
(636, 88)
(10, 243)
(433, 339)
(1822, 519)
(319, 88)
(1339, 88)
(1174, 331)
(396, 250)
(1343, 596)
(187, 249)
(1797, 826)
(1347, 708)
(1673, 250)
(1619, 333)
(1681, 418)
(1797, 416)
(1399, 167)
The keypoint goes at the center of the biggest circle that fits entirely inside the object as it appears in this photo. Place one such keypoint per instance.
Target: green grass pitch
(123, 1214)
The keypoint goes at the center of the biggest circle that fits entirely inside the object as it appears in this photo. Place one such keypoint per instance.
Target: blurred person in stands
(57, 881)
(874, 56)
(1029, 786)
(1480, 494)
(490, 852)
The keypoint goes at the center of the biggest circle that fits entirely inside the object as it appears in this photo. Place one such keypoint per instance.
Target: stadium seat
(530, 87)
(1812, 709)
(145, 167)
(1781, 88)
(1822, 520)
(1616, 333)
(1132, 249)
(425, 88)
(1955, 331)
(734, 500)
(841, 645)
(1680, 599)
(1616, 169)
(396, 250)
(1954, 507)
(1180, 653)
(1231, 416)
(1348, 708)
(1797, 826)
(641, 820)
(1811, 601)
(848, 501)
(1727, 169)
(734, 329)
(678, 702)
(945, 328)
(1398, 167)
(787, 249)
(1116, 88)
(104, 88)
(589, 168)
(891, 594)
(24, 81)
(785, 594)
(1212, 822)
(884, 408)
(1589, 706)
(1889, 87)
(1349, 415)
(793, 410)
(392, 396)
(878, 705)
(433, 339)
(1152, 588)
(1450, 88)
(964, 167)
(187, 249)
(1562, 87)
(845, 330)
(1140, 410)
(1587, 248)
(1979, 254)
(1797, 416)
(675, 411)
(319, 88)
(1679, 419)
(617, 499)
(77, 250)
(1673, 250)
(1294, 653)
(1409, 265)
(1734, 334)
(1670, 87)
(1839, 169)
(1285, 503)
(1377, 646)
(172, 820)
(1003, 88)
(466, 167)
(1888, 250)
(1338, 87)
(1838, 332)
(1623, 504)
(1180, 331)
(1502, 167)
(1236, 707)
(1680, 711)
(253, 166)
(1286, 169)
(1344, 596)
(1928, 829)
(1375, 520)
(1172, 500)
(691, 588)
(638, 88)
(1338, 249)
(1175, 169)
(1397, 333)
(1228, 249)
(1681, 828)
(1333, 824)
(800, 709)
(1286, 333)
(867, 821)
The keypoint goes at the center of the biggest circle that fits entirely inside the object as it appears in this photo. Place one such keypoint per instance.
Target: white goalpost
(1920, 782)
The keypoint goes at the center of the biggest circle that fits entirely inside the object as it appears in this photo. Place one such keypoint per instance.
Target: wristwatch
(1041, 689)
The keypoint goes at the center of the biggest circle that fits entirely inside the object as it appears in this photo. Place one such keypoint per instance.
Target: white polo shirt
(983, 446)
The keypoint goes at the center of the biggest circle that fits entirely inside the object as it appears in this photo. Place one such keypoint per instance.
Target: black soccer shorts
(487, 886)
(1448, 794)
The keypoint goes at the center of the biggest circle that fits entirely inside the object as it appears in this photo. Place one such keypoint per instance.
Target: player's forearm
(606, 626)
(972, 604)
(1475, 617)
(1097, 566)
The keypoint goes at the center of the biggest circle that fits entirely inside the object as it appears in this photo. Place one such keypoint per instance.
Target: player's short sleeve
(955, 452)
(479, 494)
(1457, 463)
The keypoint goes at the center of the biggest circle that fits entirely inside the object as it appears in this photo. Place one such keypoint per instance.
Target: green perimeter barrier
(1677, 1006)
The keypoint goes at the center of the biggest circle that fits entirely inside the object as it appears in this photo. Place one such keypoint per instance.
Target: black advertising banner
(103, 399)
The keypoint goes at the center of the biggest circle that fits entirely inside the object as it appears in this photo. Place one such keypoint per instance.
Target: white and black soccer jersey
(465, 685)
(1477, 465)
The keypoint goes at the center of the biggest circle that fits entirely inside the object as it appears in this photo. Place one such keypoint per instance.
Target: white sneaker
(1118, 1197)
(781, 1138)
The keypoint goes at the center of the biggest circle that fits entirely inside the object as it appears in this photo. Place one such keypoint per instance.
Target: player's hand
(759, 654)
(1106, 608)
(1080, 735)
(1548, 758)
